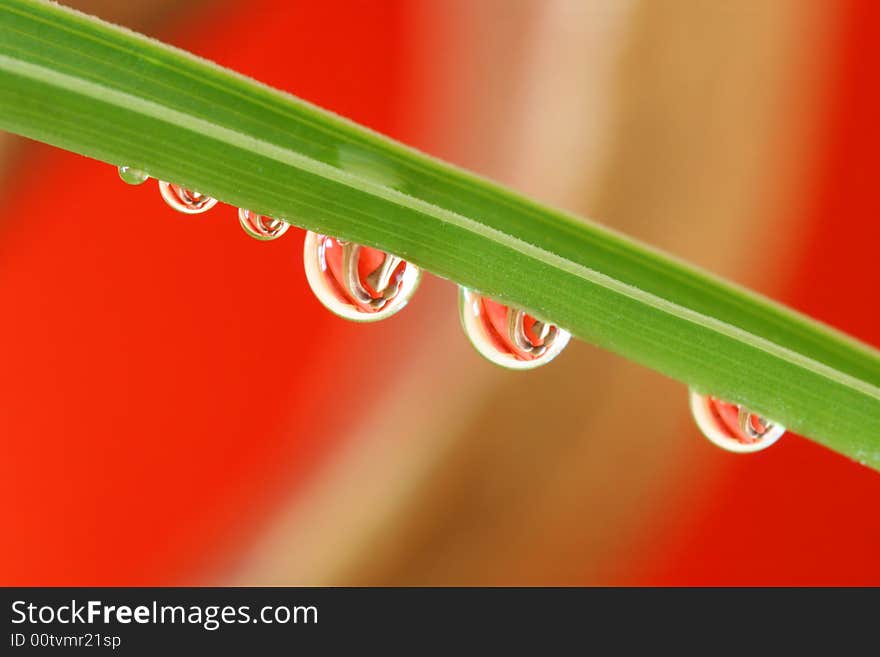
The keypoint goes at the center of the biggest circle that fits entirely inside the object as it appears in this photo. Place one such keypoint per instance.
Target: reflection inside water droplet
(731, 426)
(507, 336)
(132, 176)
(185, 200)
(358, 282)
(261, 227)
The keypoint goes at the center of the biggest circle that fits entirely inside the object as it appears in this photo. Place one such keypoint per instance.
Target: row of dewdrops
(363, 284)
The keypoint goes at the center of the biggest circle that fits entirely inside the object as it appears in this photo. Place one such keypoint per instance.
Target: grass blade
(78, 83)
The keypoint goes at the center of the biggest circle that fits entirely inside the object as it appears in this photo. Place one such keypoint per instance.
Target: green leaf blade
(86, 86)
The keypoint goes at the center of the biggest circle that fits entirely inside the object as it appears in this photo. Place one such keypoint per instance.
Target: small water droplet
(732, 427)
(132, 176)
(261, 227)
(507, 336)
(185, 200)
(358, 282)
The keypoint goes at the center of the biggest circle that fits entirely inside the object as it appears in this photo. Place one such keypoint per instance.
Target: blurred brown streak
(562, 471)
(135, 14)
(680, 122)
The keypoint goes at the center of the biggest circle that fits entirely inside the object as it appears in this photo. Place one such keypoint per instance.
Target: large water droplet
(507, 336)
(133, 176)
(185, 200)
(357, 282)
(732, 427)
(261, 227)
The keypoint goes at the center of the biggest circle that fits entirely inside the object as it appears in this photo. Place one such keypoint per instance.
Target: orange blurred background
(179, 409)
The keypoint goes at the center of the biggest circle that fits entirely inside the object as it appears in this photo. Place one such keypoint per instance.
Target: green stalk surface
(84, 85)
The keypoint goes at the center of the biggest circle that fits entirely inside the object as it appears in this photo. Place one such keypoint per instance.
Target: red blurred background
(178, 409)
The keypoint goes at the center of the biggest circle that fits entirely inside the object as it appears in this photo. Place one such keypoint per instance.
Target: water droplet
(185, 200)
(732, 427)
(507, 336)
(132, 176)
(358, 282)
(261, 227)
